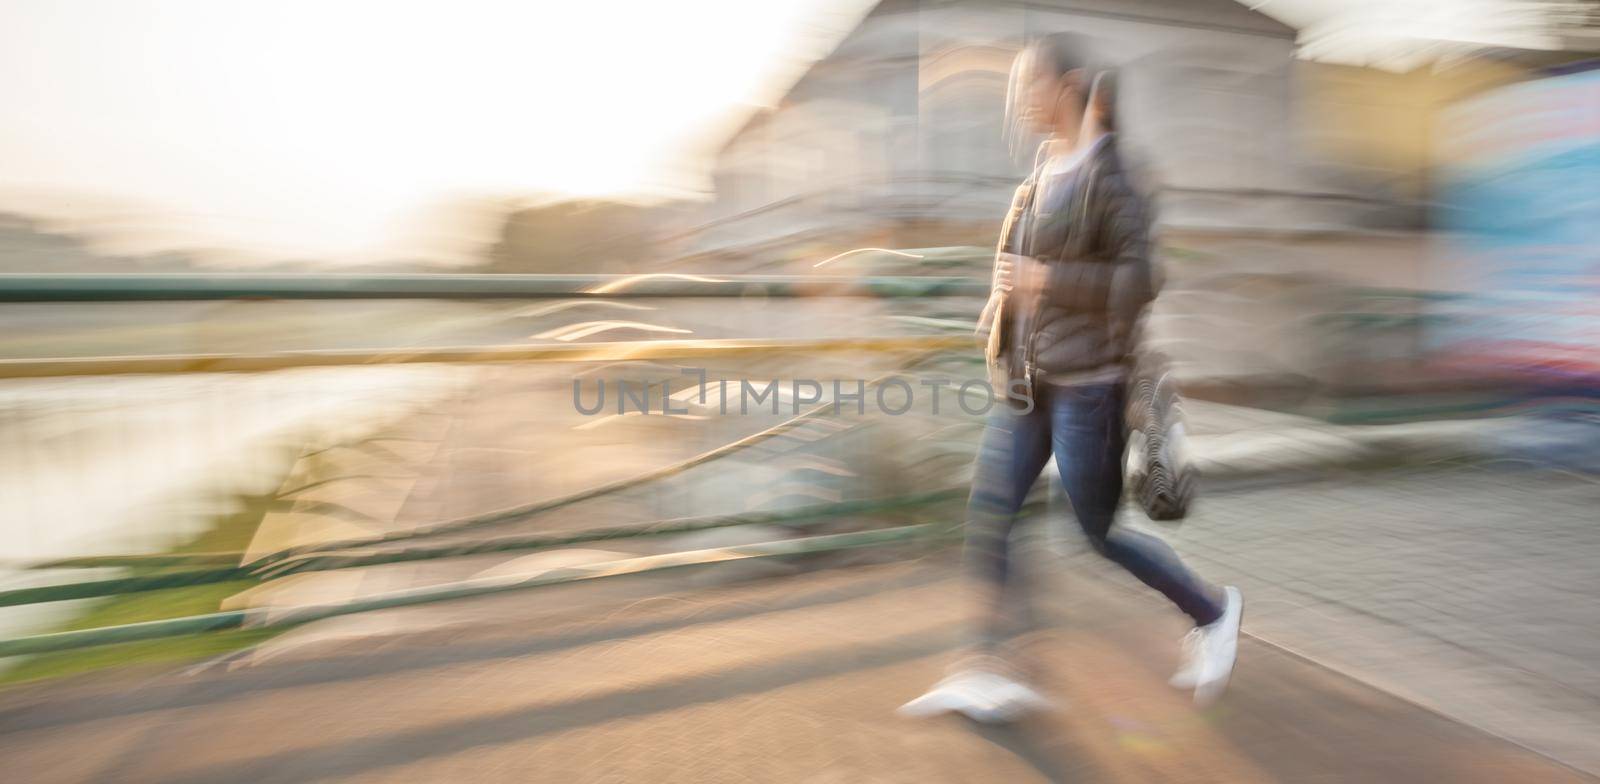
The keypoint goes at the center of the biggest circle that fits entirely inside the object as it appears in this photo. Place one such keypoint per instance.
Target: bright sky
(341, 130)
(1404, 34)
(310, 128)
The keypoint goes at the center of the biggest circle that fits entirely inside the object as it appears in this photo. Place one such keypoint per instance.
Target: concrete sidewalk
(1348, 587)
(1237, 442)
(1467, 588)
(783, 680)
(798, 680)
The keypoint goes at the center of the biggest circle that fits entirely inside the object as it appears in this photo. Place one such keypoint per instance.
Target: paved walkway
(1233, 442)
(1471, 590)
(779, 680)
(1464, 590)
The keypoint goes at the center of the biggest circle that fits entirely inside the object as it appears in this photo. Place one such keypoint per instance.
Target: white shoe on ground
(1209, 653)
(1188, 674)
(980, 695)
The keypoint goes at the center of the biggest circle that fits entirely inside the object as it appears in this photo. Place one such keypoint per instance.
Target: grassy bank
(231, 532)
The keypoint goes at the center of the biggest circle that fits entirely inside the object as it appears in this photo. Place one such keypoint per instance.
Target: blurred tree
(580, 236)
(28, 244)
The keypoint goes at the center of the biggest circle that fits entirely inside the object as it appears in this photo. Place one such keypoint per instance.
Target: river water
(137, 464)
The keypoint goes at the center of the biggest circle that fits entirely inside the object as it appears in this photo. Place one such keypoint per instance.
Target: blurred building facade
(895, 139)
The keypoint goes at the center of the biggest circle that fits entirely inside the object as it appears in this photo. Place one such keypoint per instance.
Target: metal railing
(421, 542)
(146, 287)
(159, 571)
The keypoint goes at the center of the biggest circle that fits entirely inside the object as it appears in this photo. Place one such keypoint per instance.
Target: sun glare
(322, 129)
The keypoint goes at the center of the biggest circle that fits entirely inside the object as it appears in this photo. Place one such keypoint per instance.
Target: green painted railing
(267, 618)
(317, 562)
(188, 286)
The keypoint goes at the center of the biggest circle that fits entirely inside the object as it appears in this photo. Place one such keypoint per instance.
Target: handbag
(993, 328)
(1161, 476)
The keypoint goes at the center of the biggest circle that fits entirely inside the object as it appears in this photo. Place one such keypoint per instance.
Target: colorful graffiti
(1520, 205)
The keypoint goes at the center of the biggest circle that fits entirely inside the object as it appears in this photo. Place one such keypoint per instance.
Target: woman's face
(1048, 99)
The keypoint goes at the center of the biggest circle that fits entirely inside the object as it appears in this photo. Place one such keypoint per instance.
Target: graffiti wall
(1520, 205)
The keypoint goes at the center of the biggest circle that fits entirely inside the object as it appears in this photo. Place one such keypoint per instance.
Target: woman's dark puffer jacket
(1097, 254)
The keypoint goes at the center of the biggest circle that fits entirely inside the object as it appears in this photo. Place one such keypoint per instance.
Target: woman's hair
(1061, 53)
(1056, 55)
(1103, 96)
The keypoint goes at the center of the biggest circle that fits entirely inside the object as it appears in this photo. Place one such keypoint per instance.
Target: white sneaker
(1209, 653)
(1188, 674)
(980, 695)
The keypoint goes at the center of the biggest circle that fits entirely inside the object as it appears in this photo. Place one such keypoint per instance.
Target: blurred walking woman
(1072, 280)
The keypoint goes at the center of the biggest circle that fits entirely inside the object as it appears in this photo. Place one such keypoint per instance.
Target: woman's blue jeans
(1083, 426)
